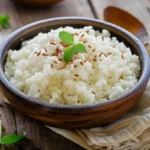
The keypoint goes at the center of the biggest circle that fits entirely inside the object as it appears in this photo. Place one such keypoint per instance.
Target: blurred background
(33, 10)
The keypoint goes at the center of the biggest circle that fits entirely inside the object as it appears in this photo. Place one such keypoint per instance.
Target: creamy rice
(107, 70)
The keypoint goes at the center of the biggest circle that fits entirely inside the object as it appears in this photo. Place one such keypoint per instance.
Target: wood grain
(20, 16)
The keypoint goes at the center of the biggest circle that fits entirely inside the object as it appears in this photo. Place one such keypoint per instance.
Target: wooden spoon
(124, 19)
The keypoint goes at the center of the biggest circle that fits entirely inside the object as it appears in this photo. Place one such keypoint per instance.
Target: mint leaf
(6, 25)
(4, 18)
(66, 37)
(79, 48)
(68, 53)
(4, 21)
(11, 139)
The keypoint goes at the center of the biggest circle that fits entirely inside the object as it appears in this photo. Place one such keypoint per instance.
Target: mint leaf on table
(4, 21)
(11, 139)
(66, 37)
(79, 48)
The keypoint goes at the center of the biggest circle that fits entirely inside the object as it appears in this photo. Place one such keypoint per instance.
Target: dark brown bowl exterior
(63, 116)
(37, 3)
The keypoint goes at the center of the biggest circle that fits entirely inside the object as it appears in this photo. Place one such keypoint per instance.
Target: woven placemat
(131, 132)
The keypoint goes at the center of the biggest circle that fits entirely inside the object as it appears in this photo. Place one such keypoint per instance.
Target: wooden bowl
(63, 116)
(37, 3)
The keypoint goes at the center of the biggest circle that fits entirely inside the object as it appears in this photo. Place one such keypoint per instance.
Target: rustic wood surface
(13, 122)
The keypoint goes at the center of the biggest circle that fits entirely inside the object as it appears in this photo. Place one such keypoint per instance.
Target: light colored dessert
(105, 70)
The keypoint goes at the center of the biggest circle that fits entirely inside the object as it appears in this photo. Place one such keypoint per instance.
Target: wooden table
(13, 121)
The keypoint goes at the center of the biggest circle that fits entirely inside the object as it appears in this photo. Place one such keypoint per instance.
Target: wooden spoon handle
(147, 46)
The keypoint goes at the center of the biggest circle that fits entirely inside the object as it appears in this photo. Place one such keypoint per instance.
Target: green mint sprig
(66, 37)
(10, 138)
(4, 21)
(69, 52)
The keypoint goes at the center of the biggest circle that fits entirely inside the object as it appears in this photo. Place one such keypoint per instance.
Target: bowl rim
(143, 78)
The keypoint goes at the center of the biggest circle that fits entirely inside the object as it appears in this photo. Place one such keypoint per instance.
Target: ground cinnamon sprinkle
(100, 54)
(89, 46)
(87, 31)
(60, 59)
(63, 44)
(109, 53)
(51, 65)
(93, 50)
(81, 63)
(75, 66)
(93, 92)
(55, 62)
(57, 52)
(121, 77)
(35, 52)
(52, 43)
(76, 75)
(39, 53)
(84, 41)
(122, 57)
(94, 59)
(105, 55)
(76, 34)
(44, 54)
(82, 35)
